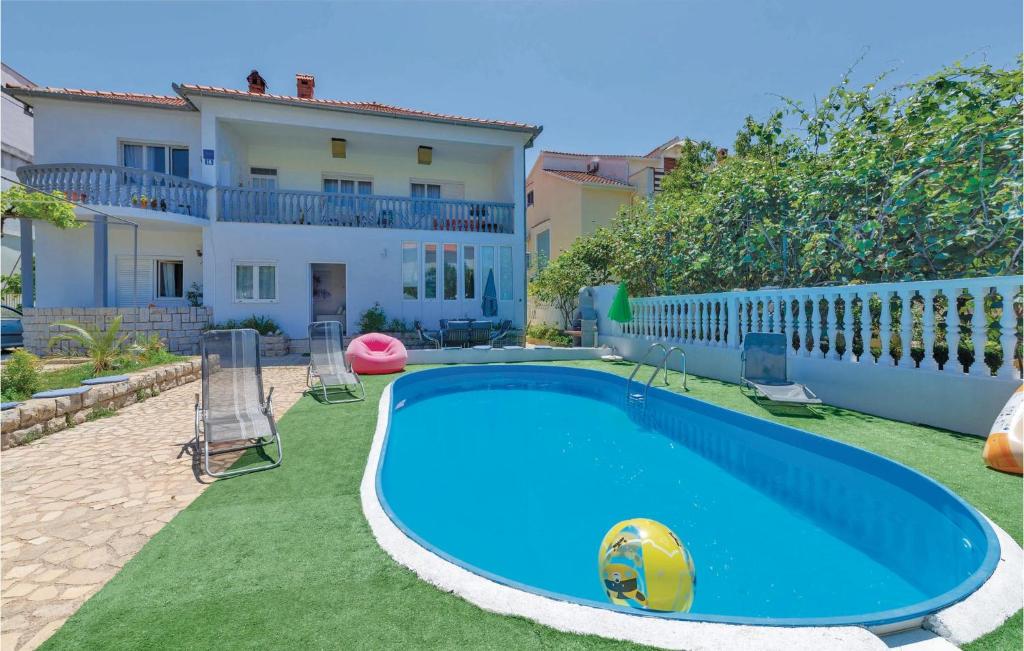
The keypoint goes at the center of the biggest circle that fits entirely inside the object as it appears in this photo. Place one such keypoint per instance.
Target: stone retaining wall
(179, 327)
(43, 416)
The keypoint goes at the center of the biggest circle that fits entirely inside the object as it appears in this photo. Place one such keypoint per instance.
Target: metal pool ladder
(641, 397)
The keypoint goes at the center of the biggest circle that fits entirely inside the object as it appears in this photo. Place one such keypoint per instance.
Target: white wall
(373, 263)
(89, 132)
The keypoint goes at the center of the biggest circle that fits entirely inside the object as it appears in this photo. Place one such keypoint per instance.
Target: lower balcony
(112, 185)
(362, 210)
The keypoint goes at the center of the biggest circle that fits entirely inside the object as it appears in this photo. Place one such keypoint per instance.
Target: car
(10, 327)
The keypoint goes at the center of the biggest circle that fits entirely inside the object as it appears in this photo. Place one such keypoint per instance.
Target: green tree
(587, 262)
(54, 208)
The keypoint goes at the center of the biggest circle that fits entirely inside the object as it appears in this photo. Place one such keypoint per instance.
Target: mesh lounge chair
(234, 414)
(480, 333)
(764, 370)
(456, 335)
(328, 365)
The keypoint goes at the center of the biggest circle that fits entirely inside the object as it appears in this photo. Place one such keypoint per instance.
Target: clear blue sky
(602, 77)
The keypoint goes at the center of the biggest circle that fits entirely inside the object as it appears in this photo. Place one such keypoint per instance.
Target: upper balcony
(112, 185)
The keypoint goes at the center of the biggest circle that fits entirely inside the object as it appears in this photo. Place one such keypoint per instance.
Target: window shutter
(127, 295)
(453, 191)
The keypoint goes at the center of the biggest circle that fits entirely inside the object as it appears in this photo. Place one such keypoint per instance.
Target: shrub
(104, 347)
(373, 319)
(548, 333)
(21, 375)
(261, 324)
(398, 325)
(195, 295)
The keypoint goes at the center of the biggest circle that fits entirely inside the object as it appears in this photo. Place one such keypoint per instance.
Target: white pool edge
(981, 612)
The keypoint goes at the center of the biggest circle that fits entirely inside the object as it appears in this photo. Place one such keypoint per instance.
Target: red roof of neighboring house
(578, 155)
(365, 107)
(584, 177)
(164, 101)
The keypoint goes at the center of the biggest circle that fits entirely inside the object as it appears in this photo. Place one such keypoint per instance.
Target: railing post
(906, 328)
(733, 323)
(885, 328)
(979, 333)
(812, 328)
(847, 326)
(832, 325)
(865, 326)
(1008, 330)
(928, 330)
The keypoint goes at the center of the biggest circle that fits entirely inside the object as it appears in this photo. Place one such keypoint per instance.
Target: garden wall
(39, 417)
(179, 327)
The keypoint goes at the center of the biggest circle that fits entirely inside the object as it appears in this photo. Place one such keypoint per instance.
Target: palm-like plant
(102, 346)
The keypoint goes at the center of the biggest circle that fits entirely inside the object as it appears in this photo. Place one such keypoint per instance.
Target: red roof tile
(368, 107)
(578, 155)
(102, 95)
(584, 177)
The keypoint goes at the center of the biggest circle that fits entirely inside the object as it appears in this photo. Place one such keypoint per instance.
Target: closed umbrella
(620, 310)
(490, 303)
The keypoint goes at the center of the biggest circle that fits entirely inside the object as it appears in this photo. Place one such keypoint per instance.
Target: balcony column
(28, 272)
(100, 255)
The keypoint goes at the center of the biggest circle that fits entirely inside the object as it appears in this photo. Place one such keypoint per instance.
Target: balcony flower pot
(144, 201)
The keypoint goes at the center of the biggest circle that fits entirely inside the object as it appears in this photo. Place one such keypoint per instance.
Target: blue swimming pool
(516, 473)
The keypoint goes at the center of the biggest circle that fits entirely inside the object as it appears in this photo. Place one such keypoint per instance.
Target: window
(468, 272)
(429, 271)
(543, 249)
(255, 282)
(343, 185)
(451, 272)
(529, 198)
(169, 274)
(426, 190)
(410, 270)
(505, 289)
(156, 158)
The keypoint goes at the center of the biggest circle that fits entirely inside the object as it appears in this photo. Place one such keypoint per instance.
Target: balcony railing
(110, 185)
(362, 211)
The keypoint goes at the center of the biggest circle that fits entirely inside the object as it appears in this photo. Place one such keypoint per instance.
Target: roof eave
(185, 92)
(20, 92)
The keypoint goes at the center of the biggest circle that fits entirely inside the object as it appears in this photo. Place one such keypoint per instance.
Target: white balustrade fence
(963, 328)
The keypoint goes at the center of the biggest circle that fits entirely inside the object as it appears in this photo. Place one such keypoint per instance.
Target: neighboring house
(16, 141)
(289, 206)
(569, 195)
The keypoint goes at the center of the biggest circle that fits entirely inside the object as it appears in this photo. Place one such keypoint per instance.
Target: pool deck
(983, 611)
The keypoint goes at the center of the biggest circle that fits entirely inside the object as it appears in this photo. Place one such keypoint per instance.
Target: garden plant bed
(39, 417)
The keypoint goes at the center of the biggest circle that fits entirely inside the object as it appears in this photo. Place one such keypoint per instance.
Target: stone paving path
(78, 504)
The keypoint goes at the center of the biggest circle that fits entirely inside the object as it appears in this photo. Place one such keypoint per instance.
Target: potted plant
(144, 201)
(135, 199)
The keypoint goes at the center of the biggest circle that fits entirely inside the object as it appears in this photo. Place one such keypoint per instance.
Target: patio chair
(763, 369)
(427, 339)
(328, 365)
(456, 335)
(234, 414)
(480, 333)
(499, 332)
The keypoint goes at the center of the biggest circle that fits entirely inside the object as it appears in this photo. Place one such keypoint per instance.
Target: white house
(288, 206)
(16, 145)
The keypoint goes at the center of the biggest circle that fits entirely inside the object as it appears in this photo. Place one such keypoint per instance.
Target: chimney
(721, 154)
(257, 84)
(304, 86)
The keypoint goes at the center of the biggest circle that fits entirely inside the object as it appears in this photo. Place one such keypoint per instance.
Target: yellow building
(569, 195)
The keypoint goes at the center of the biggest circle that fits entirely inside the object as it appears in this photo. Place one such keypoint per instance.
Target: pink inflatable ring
(376, 354)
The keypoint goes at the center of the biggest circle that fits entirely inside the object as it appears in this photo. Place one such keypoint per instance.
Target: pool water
(518, 472)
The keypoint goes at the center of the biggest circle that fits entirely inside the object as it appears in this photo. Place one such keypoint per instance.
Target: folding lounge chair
(764, 370)
(328, 365)
(233, 409)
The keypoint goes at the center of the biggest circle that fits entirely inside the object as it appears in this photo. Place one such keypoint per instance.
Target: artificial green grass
(284, 558)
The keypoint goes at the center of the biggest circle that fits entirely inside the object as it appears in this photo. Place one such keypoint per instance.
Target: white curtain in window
(268, 289)
(167, 275)
(156, 159)
(133, 156)
(243, 282)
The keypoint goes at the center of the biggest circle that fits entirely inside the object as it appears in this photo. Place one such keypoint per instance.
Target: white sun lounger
(764, 370)
(328, 365)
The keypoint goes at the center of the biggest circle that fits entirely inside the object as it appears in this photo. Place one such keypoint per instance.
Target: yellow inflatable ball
(642, 564)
